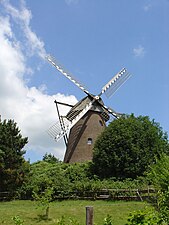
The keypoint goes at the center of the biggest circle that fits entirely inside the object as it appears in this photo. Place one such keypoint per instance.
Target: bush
(159, 175)
(44, 199)
(69, 221)
(108, 220)
(146, 217)
(17, 220)
(70, 180)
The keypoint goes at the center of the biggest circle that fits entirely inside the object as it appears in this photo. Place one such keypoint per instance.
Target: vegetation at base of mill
(131, 153)
(68, 180)
(128, 146)
(122, 153)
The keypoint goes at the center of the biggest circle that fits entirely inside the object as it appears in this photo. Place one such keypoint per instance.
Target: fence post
(89, 215)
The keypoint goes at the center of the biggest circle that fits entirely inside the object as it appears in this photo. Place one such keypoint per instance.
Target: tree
(12, 163)
(50, 158)
(44, 199)
(127, 146)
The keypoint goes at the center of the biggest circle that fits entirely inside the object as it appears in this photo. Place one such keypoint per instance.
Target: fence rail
(6, 196)
(109, 194)
(104, 194)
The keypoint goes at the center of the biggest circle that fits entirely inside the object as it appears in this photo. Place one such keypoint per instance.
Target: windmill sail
(115, 83)
(56, 132)
(60, 68)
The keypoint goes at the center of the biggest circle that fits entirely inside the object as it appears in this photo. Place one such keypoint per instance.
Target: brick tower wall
(83, 136)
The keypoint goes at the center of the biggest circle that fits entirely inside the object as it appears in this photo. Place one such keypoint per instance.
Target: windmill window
(101, 123)
(89, 141)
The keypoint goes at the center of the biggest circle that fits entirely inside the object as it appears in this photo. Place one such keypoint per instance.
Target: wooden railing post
(89, 215)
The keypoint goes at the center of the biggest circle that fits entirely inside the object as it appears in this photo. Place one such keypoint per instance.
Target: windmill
(86, 119)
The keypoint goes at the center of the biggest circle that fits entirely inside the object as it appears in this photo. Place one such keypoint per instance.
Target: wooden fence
(109, 194)
(104, 194)
(6, 196)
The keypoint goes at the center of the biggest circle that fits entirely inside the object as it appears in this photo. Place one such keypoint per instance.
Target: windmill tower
(86, 119)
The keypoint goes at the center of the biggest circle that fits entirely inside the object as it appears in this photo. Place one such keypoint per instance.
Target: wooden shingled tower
(86, 119)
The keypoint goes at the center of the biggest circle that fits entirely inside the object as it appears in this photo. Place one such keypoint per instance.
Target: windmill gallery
(86, 119)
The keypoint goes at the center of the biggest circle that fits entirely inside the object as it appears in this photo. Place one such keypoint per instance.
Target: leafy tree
(12, 163)
(44, 199)
(127, 146)
(50, 158)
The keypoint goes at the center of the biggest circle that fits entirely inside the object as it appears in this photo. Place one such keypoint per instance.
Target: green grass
(27, 211)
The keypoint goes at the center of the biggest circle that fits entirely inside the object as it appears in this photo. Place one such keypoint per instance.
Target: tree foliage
(70, 180)
(127, 146)
(44, 199)
(149, 216)
(158, 174)
(12, 163)
(48, 157)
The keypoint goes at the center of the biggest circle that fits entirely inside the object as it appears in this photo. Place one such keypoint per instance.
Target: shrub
(108, 220)
(146, 217)
(17, 220)
(43, 199)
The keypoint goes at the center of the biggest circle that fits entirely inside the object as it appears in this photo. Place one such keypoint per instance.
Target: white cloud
(23, 16)
(147, 7)
(31, 107)
(139, 51)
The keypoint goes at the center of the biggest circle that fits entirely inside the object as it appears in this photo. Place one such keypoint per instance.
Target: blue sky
(93, 40)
